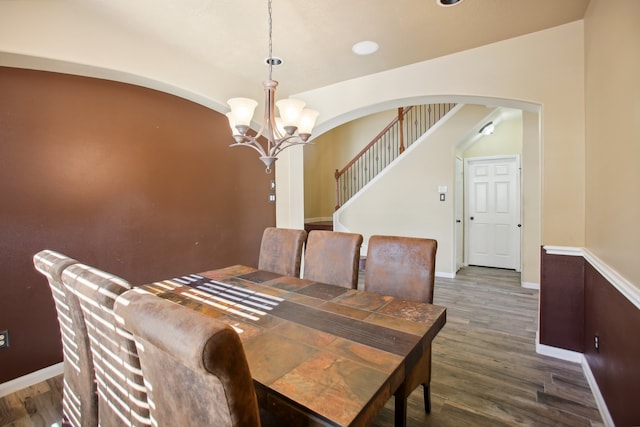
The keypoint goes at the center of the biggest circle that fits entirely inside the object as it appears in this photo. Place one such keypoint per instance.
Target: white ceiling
(314, 37)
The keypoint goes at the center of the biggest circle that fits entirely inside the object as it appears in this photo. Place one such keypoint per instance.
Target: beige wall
(531, 238)
(542, 71)
(506, 139)
(319, 183)
(404, 199)
(612, 62)
(331, 151)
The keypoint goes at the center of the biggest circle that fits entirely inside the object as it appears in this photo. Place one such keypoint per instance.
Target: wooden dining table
(319, 354)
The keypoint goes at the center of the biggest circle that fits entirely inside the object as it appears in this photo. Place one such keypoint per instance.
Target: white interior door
(459, 214)
(493, 212)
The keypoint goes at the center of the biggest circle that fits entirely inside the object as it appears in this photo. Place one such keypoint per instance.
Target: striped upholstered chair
(122, 397)
(195, 365)
(404, 267)
(79, 396)
(281, 250)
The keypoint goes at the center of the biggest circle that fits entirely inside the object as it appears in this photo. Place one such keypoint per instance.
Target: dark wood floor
(37, 406)
(485, 368)
(485, 371)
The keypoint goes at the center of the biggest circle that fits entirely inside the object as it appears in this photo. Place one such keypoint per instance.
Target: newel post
(400, 121)
(337, 176)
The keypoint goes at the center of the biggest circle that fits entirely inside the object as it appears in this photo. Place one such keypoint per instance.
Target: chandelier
(293, 127)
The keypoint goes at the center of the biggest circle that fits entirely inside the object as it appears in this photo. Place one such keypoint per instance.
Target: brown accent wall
(578, 303)
(616, 363)
(562, 301)
(131, 180)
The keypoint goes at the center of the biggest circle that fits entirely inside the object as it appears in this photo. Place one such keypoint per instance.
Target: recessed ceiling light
(447, 3)
(365, 48)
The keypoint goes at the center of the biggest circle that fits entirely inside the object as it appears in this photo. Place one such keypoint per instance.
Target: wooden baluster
(400, 121)
(337, 176)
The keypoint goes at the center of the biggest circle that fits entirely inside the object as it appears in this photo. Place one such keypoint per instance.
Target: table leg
(400, 411)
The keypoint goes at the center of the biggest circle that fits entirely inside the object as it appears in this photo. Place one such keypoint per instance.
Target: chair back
(79, 395)
(122, 398)
(281, 250)
(333, 257)
(194, 365)
(402, 267)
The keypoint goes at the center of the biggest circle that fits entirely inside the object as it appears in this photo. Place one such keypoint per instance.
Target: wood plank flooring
(37, 406)
(485, 369)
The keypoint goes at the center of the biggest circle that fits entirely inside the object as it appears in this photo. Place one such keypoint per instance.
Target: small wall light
(487, 129)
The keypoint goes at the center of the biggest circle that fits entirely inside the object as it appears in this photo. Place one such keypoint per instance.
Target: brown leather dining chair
(195, 365)
(404, 267)
(333, 258)
(79, 393)
(122, 396)
(281, 250)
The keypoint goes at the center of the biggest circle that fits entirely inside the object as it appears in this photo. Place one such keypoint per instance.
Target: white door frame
(458, 216)
(518, 198)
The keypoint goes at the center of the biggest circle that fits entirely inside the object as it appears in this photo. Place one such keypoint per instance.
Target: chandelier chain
(294, 128)
(270, 58)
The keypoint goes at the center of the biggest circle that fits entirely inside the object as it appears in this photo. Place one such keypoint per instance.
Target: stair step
(318, 225)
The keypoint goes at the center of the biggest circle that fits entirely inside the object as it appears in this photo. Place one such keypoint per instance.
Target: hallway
(485, 369)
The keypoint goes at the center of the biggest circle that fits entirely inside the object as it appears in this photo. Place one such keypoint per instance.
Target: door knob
(471, 218)
(457, 220)
(519, 225)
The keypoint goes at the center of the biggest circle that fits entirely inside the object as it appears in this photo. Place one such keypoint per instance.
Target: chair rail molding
(624, 286)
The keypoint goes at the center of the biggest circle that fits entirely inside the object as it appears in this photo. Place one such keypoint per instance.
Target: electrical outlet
(4, 339)
(596, 343)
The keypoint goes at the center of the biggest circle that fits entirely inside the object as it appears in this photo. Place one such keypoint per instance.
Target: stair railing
(410, 123)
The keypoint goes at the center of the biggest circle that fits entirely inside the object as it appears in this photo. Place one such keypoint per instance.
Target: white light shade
(280, 127)
(307, 120)
(242, 110)
(290, 110)
(232, 123)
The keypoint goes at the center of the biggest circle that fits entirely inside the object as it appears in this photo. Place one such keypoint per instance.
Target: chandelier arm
(279, 149)
(251, 144)
(278, 145)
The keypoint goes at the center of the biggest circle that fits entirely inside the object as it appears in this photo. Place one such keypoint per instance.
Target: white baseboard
(575, 357)
(530, 285)
(445, 274)
(602, 407)
(31, 379)
(558, 353)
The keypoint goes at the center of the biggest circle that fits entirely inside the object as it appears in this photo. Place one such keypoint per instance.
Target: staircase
(411, 123)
